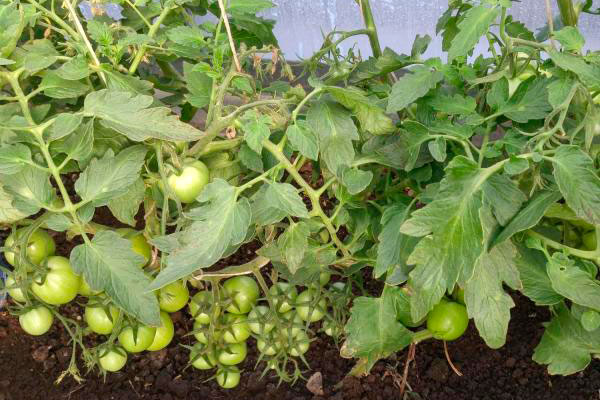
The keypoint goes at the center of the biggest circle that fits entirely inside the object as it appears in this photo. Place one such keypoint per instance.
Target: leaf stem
(151, 33)
(588, 255)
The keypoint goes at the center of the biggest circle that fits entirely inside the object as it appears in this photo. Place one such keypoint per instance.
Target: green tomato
(86, 290)
(113, 360)
(39, 246)
(237, 330)
(228, 378)
(99, 320)
(139, 343)
(243, 292)
(283, 295)
(293, 323)
(200, 360)
(164, 333)
(16, 293)
(589, 241)
(459, 295)
(173, 297)
(139, 244)
(331, 328)
(306, 307)
(201, 334)
(324, 236)
(447, 320)
(200, 306)
(36, 321)
(258, 320)
(233, 353)
(60, 285)
(324, 278)
(299, 345)
(268, 345)
(188, 185)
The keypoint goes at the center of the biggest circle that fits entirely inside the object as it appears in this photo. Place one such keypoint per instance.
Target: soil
(29, 365)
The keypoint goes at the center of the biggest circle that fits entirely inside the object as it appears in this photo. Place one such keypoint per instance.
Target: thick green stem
(588, 255)
(568, 15)
(369, 21)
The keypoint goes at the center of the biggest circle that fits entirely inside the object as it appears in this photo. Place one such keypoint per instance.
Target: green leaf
(58, 88)
(119, 82)
(536, 283)
(566, 347)
(411, 140)
(12, 23)
(394, 247)
(420, 45)
(558, 90)
(487, 302)
(498, 94)
(285, 197)
(587, 73)
(64, 124)
(8, 212)
(570, 281)
(372, 332)
(263, 213)
(372, 118)
(449, 254)
(570, 38)
(529, 102)
(577, 180)
(293, 243)
(256, 131)
(248, 6)
(187, 41)
(356, 180)
(78, 146)
(126, 206)
(456, 104)
(40, 54)
(30, 189)
(58, 222)
(109, 263)
(250, 158)
(110, 176)
(335, 130)
(303, 139)
(13, 158)
(504, 196)
(221, 220)
(530, 214)
(131, 116)
(437, 148)
(413, 86)
(74, 69)
(473, 26)
(199, 86)
(516, 165)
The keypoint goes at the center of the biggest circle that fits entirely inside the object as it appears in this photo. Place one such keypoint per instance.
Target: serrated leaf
(411, 140)
(570, 38)
(250, 158)
(198, 84)
(263, 213)
(372, 332)
(394, 247)
(293, 243)
(119, 82)
(534, 277)
(30, 189)
(58, 88)
(498, 94)
(13, 158)
(570, 281)
(577, 180)
(40, 54)
(456, 104)
(248, 6)
(530, 214)
(132, 116)
(285, 197)
(109, 263)
(335, 130)
(529, 102)
(126, 206)
(74, 69)
(8, 212)
(420, 45)
(303, 139)
(78, 146)
(64, 124)
(356, 180)
(565, 346)
(221, 221)
(413, 86)
(437, 148)
(473, 26)
(110, 176)
(516, 165)
(187, 41)
(256, 131)
(372, 118)
(589, 74)
(504, 196)
(58, 222)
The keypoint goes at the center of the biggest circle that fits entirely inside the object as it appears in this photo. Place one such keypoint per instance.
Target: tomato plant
(243, 293)
(164, 333)
(173, 297)
(137, 338)
(188, 184)
(36, 321)
(447, 320)
(39, 246)
(228, 378)
(100, 319)
(113, 360)
(59, 285)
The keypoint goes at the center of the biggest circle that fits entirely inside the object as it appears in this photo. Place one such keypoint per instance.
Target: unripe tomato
(233, 354)
(202, 360)
(99, 320)
(589, 241)
(188, 185)
(139, 244)
(164, 333)
(60, 285)
(324, 278)
(39, 246)
(331, 328)
(299, 345)
(201, 334)
(173, 297)
(294, 324)
(306, 308)
(228, 378)
(258, 320)
(86, 290)
(447, 320)
(243, 291)
(268, 345)
(113, 360)
(237, 330)
(459, 295)
(36, 321)
(283, 296)
(16, 293)
(139, 343)
(200, 306)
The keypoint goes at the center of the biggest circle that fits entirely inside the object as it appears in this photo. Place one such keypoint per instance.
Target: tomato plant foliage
(471, 173)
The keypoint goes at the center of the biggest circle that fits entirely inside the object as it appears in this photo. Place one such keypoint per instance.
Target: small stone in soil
(40, 354)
